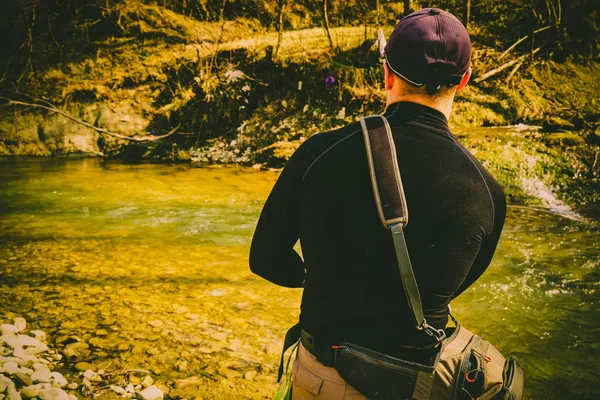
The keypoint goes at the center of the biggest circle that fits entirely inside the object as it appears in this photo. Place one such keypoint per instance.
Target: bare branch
(103, 131)
(523, 39)
(504, 66)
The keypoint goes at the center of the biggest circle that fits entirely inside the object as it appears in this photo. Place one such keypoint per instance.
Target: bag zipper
(462, 370)
(380, 363)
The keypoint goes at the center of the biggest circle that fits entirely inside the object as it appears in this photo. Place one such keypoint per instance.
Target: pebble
(59, 379)
(147, 381)
(30, 392)
(39, 335)
(117, 389)
(57, 357)
(8, 330)
(25, 380)
(11, 368)
(129, 388)
(72, 386)
(83, 366)
(41, 375)
(20, 324)
(12, 393)
(2, 386)
(74, 350)
(53, 394)
(188, 382)
(89, 374)
(151, 393)
(6, 381)
(72, 397)
(250, 375)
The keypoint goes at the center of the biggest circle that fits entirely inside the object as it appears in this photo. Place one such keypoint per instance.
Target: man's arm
(488, 247)
(272, 254)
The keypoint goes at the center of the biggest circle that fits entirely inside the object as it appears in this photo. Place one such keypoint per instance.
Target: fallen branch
(515, 44)
(513, 72)
(504, 66)
(103, 131)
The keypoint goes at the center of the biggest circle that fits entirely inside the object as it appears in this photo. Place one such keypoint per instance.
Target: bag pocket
(513, 387)
(305, 380)
(376, 375)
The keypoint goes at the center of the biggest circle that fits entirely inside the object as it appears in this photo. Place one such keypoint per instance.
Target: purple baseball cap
(429, 47)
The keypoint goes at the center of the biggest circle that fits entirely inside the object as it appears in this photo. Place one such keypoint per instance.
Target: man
(352, 287)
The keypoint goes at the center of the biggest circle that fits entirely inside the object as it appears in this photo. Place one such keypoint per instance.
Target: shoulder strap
(391, 206)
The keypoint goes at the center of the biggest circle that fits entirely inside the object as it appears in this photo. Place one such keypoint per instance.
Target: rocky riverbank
(30, 369)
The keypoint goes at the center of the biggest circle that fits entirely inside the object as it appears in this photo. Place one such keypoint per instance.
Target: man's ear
(389, 77)
(464, 80)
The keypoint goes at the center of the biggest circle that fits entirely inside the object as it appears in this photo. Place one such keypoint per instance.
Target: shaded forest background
(37, 33)
(245, 80)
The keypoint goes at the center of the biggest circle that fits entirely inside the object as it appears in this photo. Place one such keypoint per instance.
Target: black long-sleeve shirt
(352, 287)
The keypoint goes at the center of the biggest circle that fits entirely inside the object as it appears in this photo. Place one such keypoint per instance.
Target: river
(148, 264)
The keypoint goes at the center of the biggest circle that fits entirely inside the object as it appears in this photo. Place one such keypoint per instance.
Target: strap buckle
(438, 334)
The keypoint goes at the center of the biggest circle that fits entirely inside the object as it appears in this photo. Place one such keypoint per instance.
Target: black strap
(411, 289)
(291, 337)
(392, 208)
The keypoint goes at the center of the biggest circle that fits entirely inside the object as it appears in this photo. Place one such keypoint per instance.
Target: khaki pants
(313, 380)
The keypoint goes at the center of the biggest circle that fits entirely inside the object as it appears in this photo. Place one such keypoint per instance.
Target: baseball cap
(429, 47)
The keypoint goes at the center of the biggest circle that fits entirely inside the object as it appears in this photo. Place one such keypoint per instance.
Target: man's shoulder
(322, 140)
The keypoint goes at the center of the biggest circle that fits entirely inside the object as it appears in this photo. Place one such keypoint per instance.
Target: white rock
(72, 386)
(8, 330)
(57, 357)
(6, 381)
(37, 366)
(19, 352)
(89, 374)
(39, 335)
(129, 388)
(11, 368)
(26, 371)
(12, 394)
(53, 394)
(41, 375)
(117, 389)
(4, 360)
(151, 393)
(43, 361)
(33, 345)
(20, 323)
(58, 378)
(147, 381)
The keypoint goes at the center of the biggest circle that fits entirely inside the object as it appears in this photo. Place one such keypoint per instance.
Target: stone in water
(151, 393)
(53, 394)
(20, 323)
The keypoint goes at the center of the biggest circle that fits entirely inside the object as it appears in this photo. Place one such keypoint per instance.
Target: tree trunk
(406, 7)
(220, 37)
(326, 22)
(467, 14)
(281, 5)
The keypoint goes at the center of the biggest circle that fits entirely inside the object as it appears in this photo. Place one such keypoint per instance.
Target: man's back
(352, 287)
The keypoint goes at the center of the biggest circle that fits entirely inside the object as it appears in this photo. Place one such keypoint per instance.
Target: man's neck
(443, 105)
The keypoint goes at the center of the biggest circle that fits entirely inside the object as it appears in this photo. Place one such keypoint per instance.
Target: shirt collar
(404, 111)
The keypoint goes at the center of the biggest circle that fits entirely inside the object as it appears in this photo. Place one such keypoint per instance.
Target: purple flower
(329, 82)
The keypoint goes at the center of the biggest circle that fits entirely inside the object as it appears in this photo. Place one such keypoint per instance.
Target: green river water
(148, 264)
